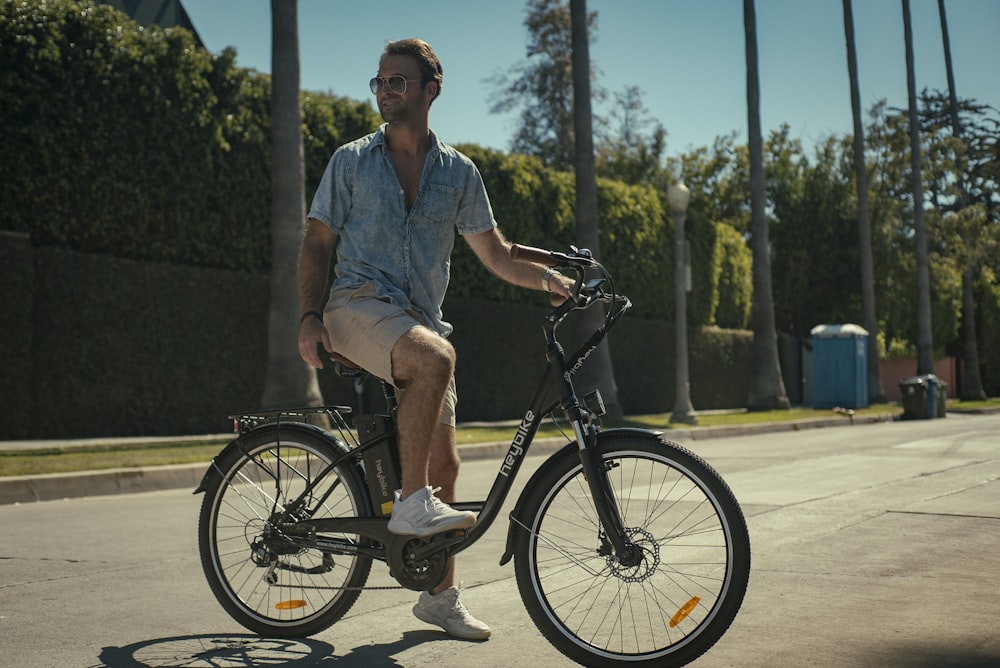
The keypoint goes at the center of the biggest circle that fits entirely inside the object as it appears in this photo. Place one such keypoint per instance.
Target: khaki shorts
(364, 329)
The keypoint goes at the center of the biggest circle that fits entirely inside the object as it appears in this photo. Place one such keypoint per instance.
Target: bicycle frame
(555, 389)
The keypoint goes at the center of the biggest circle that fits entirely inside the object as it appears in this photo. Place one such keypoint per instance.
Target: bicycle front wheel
(684, 583)
(263, 578)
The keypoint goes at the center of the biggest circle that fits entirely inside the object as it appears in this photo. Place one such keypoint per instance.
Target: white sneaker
(423, 514)
(447, 611)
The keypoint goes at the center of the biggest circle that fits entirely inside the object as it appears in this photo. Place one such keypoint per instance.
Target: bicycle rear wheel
(262, 578)
(673, 601)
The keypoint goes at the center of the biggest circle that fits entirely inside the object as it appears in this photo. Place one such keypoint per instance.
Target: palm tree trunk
(598, 373)
(767, 389)
(876, 393)
(972, 383)
(289, 380)
(925, 343)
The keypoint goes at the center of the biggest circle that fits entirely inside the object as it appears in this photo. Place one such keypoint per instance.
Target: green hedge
(136, 143)
(17, 282)
(98, 346)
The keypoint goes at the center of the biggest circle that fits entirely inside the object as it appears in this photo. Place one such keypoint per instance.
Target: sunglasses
(396, 83)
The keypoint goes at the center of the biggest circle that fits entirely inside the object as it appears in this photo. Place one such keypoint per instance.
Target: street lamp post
(678, 196)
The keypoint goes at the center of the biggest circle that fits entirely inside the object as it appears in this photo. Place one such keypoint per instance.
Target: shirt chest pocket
(439, 204)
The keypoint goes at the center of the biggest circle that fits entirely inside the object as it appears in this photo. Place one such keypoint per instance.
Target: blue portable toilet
(840, 366)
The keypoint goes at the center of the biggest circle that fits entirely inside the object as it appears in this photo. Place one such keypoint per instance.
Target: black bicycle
(628, 549)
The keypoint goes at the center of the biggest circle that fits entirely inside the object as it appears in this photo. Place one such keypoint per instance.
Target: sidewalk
(24, 489)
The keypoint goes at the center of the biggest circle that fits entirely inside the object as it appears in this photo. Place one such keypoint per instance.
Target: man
(390, 204)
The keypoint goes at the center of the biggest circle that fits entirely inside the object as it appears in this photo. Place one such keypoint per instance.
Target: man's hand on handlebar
(561, 288)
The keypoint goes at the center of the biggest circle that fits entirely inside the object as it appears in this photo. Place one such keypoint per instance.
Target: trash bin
(923, 397)
(913, 393)
(840, 366)
(937, 393)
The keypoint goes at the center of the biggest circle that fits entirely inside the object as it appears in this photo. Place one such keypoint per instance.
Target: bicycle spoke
(267, 578)
(645, 604)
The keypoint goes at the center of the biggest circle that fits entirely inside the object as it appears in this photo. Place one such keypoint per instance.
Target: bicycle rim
(262, 579)
(675, 601)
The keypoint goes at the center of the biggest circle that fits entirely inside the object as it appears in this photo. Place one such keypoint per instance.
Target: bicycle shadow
(238, 650)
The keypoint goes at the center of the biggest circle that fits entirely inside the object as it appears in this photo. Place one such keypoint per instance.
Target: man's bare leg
(443, 473)
(422, 365)
(440, 470)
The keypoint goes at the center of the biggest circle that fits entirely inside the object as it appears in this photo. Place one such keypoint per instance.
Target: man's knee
(421, 351)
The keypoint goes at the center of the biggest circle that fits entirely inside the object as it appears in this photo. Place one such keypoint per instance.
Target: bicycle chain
(365, 588)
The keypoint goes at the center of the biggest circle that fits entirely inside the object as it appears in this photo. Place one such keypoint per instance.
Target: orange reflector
(685, 610)
(293, 604)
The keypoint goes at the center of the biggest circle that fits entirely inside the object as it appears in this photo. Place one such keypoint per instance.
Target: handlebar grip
(520, 253)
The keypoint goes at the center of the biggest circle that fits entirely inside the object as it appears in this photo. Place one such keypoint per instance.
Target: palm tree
(876, 393)
(599, 372)
(925, 343)
(289, 380)
(767, 390)
(972, 383)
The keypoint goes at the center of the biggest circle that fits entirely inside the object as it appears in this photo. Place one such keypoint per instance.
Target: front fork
(595, 469)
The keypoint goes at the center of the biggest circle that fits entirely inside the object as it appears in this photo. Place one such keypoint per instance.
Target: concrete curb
(54, 486)
(25, 489)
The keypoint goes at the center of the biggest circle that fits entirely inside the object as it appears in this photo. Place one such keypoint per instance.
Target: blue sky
(687, 56)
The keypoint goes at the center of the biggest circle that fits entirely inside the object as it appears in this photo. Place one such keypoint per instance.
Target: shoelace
(436, 502)
(457, 607)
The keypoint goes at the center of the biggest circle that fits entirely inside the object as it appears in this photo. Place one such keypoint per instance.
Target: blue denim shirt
(406, 254)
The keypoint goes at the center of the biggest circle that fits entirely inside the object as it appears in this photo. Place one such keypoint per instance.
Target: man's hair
(421, 51)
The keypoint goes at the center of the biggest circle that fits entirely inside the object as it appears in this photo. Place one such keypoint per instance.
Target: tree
(925, 342)
(719, 181)
(542, 86)
(767, 390)
(627, 153)
(289, 380)
(972, 384)
(893, 231)
(876, 393)
(810, 207)
(599, 372)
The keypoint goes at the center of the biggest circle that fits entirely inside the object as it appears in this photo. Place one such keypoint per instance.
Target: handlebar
(520, 253)
(585, 292)
(577, 259)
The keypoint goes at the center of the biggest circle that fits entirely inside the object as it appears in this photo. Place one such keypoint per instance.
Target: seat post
(389, 392)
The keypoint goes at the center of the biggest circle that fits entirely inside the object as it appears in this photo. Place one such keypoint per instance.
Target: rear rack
(244, 422)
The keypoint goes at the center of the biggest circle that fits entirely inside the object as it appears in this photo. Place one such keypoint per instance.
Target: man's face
(409, 105)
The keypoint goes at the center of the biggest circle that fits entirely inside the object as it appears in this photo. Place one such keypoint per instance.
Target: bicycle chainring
(416, 574)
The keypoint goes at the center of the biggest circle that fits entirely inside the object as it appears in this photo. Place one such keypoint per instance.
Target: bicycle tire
(263, 469)
(668, 609)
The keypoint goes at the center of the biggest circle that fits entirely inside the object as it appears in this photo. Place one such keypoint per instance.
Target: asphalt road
(873, 545)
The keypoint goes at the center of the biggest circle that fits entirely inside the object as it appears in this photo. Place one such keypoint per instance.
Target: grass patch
(991, 403)
(108, 455)
(159, 453)
(35, 463)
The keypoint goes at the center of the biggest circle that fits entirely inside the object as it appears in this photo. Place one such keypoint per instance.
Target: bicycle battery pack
(377, 438)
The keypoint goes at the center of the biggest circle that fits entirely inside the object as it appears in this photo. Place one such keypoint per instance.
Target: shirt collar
(434, 152)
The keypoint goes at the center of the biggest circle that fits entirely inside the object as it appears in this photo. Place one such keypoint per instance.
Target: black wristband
(309, 313)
